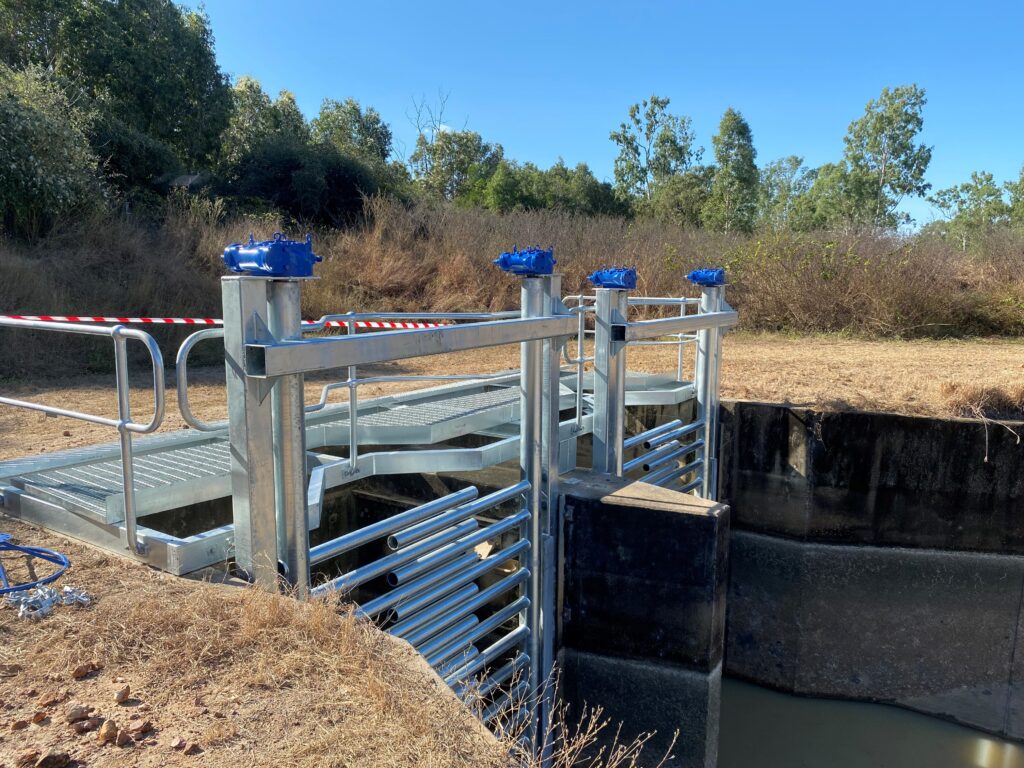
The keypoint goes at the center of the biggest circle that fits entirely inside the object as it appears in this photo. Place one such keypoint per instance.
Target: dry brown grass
(254, 678)
(438, 258)
(969, 399)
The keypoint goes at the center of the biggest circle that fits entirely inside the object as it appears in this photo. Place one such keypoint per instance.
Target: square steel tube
(652, 329)
(321, 354)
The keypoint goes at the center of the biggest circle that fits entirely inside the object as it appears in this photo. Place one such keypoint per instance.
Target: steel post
(288, 404)
(531, 455)
(250, 428)
(709, 352)
(609, 382)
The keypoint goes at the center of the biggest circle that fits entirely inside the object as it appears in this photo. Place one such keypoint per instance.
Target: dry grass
(438, 258)
(253, 678)
(980, 401)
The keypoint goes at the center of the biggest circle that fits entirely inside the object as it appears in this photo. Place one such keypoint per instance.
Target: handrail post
(124, 417)
(609, 382)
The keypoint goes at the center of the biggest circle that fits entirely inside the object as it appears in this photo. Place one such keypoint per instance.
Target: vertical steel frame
(709, 354)
(609, 382)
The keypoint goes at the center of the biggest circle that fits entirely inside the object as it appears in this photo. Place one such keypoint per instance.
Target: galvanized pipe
(677, 434)
(407, 536)
(665, 475)
(692, 485)
(475, 632)
(365, 573)
(433, 611)
(510, 701)
(124, 416)
(401, 575)
(287, 403)
(491, 653)
(426, 631)
(501, 675)
(643, 437)
(445, 644)
(353, 407)
(668, 458)
(640, 461)
(181, 375)
(609, 383)
(444, 573)
(404, 609)
(458, 660)
(365, 535)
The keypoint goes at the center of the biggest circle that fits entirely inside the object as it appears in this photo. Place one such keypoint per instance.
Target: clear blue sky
(551, 79)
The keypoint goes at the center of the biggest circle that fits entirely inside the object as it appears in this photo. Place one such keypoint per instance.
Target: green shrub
(47, 170)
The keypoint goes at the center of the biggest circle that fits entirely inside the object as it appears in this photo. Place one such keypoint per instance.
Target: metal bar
(366, 534)
(450, 570)
(372, 570)
(660, 301)
(318, 354)
(401, 575)
(639, 461)
(661, 461)
(181, 374)
(677, 434)
(693, 485)
(650, 329)
(643, 437)
(502, 675)
(404, 610)
(664, 475)
(431, 612)
(531, 458)
(407, 536)
(250, 430)
(481, 599)
(474, 632)
(124, 415)
(491, 653)
(511, 700)
(452, 639)
(457, 661)
(320, 324)
(287, 405)
(679, 361)
(609, 383)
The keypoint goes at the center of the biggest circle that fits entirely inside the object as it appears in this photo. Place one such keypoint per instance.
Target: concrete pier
(643, 611)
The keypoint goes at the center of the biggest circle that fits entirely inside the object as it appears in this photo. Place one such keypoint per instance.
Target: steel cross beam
(280, 358)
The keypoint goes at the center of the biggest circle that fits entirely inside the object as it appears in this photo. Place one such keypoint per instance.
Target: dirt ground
(216, 676)
(908, 377)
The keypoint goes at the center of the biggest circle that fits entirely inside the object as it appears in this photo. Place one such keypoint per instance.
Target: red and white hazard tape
(205, 321)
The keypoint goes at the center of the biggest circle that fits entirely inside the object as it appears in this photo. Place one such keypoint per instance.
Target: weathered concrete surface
(648, 697)
(872, 478)
(643, 607)
(933, 631)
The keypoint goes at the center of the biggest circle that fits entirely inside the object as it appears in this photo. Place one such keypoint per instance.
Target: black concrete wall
(877, 557)
(643, 612)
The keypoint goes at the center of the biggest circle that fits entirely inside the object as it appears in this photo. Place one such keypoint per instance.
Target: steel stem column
(288, 404)
(535, 304)
(709, 352)
(250, 429)
(609, 382)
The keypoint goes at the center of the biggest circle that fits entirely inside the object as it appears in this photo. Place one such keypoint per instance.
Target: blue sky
(550, 80)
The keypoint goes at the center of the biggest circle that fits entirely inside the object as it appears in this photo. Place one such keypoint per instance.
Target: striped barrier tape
(387, 324)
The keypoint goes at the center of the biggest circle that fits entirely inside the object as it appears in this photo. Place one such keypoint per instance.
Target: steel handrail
(319, 325)
(181, 373)
(123, 424)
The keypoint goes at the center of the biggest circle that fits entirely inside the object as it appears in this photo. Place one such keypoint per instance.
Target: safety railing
(668, 460)
(124, 424)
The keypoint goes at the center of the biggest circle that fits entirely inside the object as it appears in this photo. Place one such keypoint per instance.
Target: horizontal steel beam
(323, 354)
(652, 329)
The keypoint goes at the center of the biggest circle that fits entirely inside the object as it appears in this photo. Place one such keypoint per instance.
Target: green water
(765, 729)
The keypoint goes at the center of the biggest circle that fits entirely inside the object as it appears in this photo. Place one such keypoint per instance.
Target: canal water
(761, 728)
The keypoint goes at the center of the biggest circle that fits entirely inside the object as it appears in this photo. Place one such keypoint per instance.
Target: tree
(782, 184)
(653, 146)
(353, 131)
(147, 64)
(256, 119)
(1015, 190)
(732, 204)
(972, 207)
(47, 169)
(449, 163)
(885, 162)
(682, 199)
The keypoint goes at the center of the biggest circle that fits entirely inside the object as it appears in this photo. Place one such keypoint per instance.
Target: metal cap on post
(709, 353)
(268, 456)
(613, 286)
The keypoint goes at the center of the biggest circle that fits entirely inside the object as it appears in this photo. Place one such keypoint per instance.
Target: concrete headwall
(877, 557)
